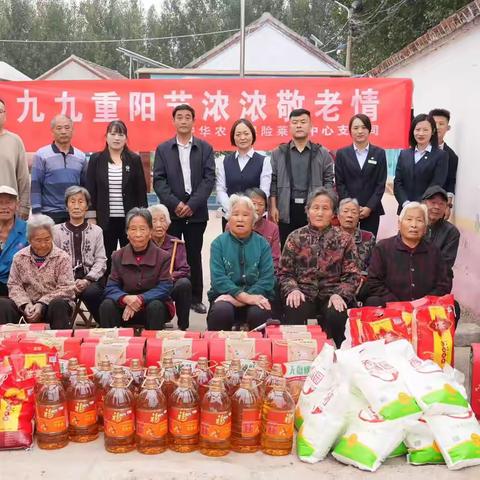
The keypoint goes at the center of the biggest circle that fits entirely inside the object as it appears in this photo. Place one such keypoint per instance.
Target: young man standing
(183, 178)
(298, 168)
(442, 120)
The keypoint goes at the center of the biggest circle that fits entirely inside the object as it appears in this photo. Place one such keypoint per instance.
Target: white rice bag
(458, 438)
(436, 390)
(422, 448)
(368, 440)
(320, 412)
(375, 372)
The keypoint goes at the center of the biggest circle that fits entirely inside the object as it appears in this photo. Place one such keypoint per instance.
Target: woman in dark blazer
(420, 166)
(116, 182)
(361, 173)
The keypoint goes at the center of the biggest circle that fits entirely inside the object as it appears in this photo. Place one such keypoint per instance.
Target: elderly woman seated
(41, 286)
(84, 243)
(241, 271)
(139, 285)
(407, 267)
(179, 269)
(319, 272)
(13, 234)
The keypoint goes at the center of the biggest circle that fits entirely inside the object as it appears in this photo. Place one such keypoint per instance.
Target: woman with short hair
(241, 271)
(319, 273)
(41, 285)
(180, 270)
(243, 169)
(83, 241)
(138, 288)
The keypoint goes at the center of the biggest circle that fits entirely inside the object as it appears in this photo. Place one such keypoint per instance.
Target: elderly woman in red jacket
(138, 288)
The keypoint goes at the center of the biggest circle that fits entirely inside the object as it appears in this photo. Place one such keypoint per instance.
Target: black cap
(435, 190)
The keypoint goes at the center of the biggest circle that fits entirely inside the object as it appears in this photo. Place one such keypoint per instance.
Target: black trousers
(223, 315)
(58, 313)
(3, 290)
(113, 234)
(153, 316)
(192, 234)
(298, 219)
(224, 223)
(371, 223)
(92, 297)
(182, 296)
(332, 322)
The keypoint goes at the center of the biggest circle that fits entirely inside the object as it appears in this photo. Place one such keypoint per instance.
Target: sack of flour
(422, 448)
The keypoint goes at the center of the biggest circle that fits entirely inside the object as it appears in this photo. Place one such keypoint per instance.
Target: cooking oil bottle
(184, 416)
(203, 376)
(69, 376)
(82, 410)
(119, 416)
(51, 414)
(246, 417)
(137, 374)
(151, 418)
(221, 373)
(170, 377)
(277, 420)
(102, 380)
(234, 377)
(215, 421)
(40, 377)
(187, 370)
(252, 373)
(275, 373)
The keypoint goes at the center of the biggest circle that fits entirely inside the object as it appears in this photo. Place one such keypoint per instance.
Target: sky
(148, 3)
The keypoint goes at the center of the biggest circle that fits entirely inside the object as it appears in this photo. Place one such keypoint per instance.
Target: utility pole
(242, 38)
(348, 55)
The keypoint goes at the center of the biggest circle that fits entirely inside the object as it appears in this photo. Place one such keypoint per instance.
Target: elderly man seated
(407, 267)
(241, 271)
(319, 271)
(13, 234)
(180, 270)
(41, 285)
(84, 243)
(440, 232)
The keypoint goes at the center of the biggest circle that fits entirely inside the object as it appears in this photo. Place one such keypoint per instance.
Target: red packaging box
(169, 334)
(23, 327)
(103, 332)
(67, 347)
(280, 330)
(186, 350)
(139, 340)
(239, 334)
(296, 358)
(475, 390)
(244, 349)
(119, 351)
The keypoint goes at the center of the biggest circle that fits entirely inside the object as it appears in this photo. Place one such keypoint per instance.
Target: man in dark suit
(442, 120)
(361, 173)
(183, 178)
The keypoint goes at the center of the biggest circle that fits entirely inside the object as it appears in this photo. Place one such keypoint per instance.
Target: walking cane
(175, 241)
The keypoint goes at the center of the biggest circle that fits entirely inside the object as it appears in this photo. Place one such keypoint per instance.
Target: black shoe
(198, 307)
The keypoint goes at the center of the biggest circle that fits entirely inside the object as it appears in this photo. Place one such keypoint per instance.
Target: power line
(126, 40)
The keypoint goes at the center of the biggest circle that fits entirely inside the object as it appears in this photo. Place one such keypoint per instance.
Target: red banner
(146, 106)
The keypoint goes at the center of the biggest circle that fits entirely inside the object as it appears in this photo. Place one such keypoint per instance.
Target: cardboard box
(118, 351)
(103, 332)
(169, 334)
(246, 350)
(238, 334)
(284, 330)
(184, 350)
(475, 388)
(67, 347)
(23, 327)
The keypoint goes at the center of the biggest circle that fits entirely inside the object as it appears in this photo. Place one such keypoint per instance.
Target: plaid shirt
(320, 263)
(400, 273)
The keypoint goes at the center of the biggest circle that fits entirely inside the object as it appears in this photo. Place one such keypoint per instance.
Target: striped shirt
(115, 196)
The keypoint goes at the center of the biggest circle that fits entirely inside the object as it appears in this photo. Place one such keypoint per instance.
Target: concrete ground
(92, 462)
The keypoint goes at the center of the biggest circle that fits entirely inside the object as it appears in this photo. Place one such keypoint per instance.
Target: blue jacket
(17, 239)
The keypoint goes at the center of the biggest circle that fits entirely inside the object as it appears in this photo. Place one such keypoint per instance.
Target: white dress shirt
(265, 176)
(420, 153)
(184, 155)
(361, 154)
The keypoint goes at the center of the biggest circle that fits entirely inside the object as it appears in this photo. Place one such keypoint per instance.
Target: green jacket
(241, 266)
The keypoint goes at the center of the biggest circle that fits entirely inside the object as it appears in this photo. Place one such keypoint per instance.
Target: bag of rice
(422, 449)
(457, 437)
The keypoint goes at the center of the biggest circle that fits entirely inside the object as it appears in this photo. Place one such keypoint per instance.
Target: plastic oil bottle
(151, 418)
(187, 370)
(51, 414)
(184, 416)
(170, 377)
(203, 376)
(119, 416)
(234, 377)
(69, 376)
(246, 417)
(275, 373)
(221, 373)
(278, 414)
(215, 421)
(137, 374)
(82, 409)
(102, 380)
